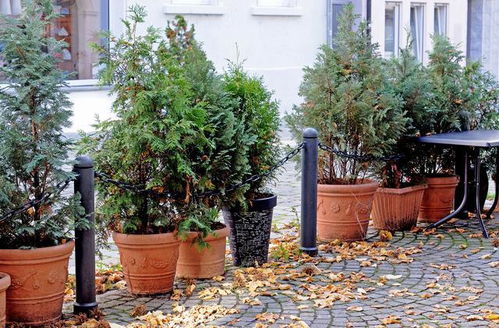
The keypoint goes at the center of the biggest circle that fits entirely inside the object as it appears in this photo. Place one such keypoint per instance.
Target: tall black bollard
(85, 239)
(309, 192)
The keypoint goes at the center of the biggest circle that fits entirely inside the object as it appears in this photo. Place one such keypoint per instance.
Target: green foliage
(350, 102)
(257, 146)
(33, 151)
(157, 136)
(445, 96)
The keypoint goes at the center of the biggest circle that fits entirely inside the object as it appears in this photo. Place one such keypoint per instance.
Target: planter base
(397, 209)
(38, 276)
(148, 261)
(4, 284)
(343, 211)
(250, 232)
(203, 263)
(438, 198)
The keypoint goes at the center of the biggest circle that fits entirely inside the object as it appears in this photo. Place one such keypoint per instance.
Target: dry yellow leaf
(390, 320)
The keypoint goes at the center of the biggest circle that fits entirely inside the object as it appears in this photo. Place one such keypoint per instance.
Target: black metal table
(471, 142)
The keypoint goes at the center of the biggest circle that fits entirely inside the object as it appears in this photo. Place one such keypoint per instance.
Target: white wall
(456, 25)
(274, 42)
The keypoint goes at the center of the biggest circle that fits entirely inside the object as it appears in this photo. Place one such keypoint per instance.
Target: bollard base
(311, 251)
(79, 308)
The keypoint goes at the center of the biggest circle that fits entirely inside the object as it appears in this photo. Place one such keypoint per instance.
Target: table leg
(496, 196)
(463, 201)
(477, 194)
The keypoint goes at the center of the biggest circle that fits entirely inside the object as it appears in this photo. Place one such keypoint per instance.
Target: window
(78, 25)
(440, 19)
(392, 29)
(417, 30)
(277, 3)
(336, 10)
(192, 2)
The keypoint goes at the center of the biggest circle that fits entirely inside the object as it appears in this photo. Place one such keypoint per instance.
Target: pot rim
(404, 190)
(367, 185)
(262, 204)
(36, 253)
(145, 239)
(220, 234)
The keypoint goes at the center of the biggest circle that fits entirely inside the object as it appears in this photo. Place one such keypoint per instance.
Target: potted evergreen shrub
(348, 99)
(248, 210)
(148, 145)
(203, 237)
(441, 103)
(35, 242)
(397, 201)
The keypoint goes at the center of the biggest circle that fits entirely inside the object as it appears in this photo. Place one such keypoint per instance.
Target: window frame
(436, 7)
(397, 23)
(87, 84)
(287, 8)
(419, 53)
(211, 7)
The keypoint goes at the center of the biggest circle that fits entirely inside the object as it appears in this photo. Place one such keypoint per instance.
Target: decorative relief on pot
(159, 264)
(320, 206)
(17, 283)
(335, 208)
(363, 209)
(446, 199)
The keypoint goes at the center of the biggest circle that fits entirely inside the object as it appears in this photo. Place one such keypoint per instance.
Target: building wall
(456, 28)
(275, 43)
(490, 36)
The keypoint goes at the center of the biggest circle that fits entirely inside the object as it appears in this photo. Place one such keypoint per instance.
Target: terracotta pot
(397, 209)
(250, 231)
(38, 277)
(4, 284)
(343, 210)
(149, 261)
(206, 262)
(438, 198)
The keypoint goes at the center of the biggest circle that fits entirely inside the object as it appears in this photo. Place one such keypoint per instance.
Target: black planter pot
(250, 231)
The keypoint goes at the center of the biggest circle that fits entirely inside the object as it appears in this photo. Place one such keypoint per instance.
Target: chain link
(141, 188)
(42, 200)
(362, 158)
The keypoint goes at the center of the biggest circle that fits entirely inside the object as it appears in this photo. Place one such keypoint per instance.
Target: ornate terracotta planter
(209, 262)
(149, 261)
(38, 276)
(4, 284)
(397, 209)
(438, 198)
(343, 210)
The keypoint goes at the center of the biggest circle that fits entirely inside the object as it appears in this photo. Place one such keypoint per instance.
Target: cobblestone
(467, 266)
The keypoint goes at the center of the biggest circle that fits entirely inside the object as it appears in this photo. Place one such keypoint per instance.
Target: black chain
(362, 158)
(255, 177)
(141, 188)
(42, 200)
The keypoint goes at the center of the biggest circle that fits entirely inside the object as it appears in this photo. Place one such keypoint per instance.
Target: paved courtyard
(444, 278)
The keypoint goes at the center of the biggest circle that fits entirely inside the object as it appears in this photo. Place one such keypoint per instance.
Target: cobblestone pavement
(451, 280)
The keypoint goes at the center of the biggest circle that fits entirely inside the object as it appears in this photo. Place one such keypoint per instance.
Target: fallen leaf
(138, 310)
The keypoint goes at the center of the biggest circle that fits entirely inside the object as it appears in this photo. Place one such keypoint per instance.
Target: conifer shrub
(157, 136)
(33, 151)
(447, 95)
(349, 99)
(257, 144)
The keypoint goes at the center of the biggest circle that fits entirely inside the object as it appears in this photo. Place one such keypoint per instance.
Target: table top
(475, 138)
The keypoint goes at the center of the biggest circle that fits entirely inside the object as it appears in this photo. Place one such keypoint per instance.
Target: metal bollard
(309, 192)
(85, 239)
